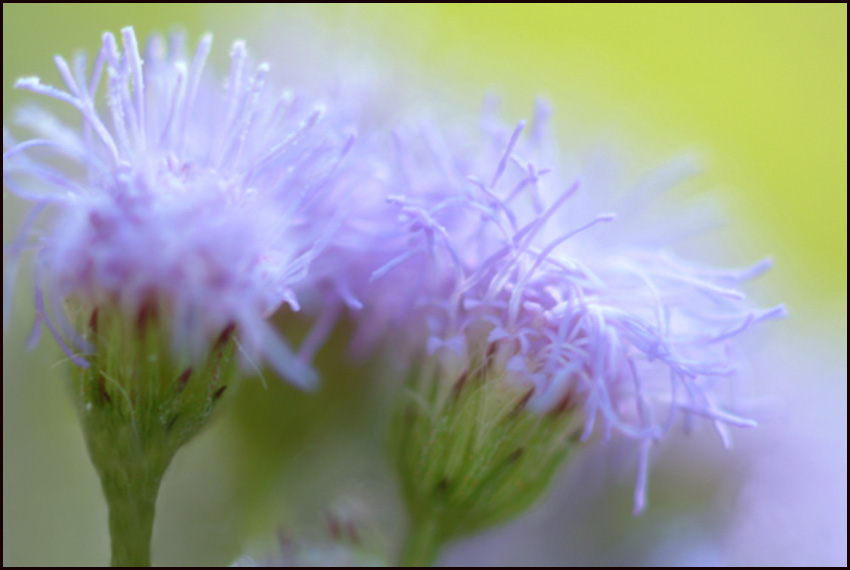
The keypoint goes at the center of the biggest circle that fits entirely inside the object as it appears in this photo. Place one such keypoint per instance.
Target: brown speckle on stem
(147, 314)
(459, 384)
(224, 337)
(93, 321)
(217, 394)
(520, 406)
(101, 389)
(183, 379)
(171, 423)
(565, 404)
(443, 485)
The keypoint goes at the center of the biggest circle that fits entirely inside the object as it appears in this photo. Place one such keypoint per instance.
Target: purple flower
(526, 265)
(175, 191)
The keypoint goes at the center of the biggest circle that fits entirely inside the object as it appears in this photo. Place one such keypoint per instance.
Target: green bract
(139, 403)
(469, 454)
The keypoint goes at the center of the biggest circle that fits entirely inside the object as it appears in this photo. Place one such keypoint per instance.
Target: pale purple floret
(177, 188)
(595, 315)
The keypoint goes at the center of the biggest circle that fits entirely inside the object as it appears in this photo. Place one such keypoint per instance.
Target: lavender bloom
(571, 301)
(174, 192)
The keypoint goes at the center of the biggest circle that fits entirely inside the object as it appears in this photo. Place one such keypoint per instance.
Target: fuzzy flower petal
(175, 189)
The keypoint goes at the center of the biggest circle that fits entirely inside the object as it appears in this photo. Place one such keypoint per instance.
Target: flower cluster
(569, 300)
(219, 205)
(177, 193)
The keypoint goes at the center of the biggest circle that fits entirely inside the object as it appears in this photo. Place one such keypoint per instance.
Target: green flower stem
(423, 544)
(131, 458)
(131, 467)
(138, 405)
(131, 498)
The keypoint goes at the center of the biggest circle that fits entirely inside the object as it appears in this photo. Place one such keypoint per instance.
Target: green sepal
(470, 455)
(139, 401)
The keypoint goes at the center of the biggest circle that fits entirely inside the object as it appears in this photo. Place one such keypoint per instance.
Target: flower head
(174, 192)
(561, 296)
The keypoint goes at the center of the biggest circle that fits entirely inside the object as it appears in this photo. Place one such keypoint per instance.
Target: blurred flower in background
(763, 89)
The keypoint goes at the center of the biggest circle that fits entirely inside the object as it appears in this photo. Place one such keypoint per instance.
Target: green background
(761, 88)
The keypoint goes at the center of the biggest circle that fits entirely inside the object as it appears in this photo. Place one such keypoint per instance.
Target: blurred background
(759, 91)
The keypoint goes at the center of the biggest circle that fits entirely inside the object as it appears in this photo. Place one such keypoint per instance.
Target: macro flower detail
(177, 219)
(547, 300)
(526, 302)
(175, 192)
